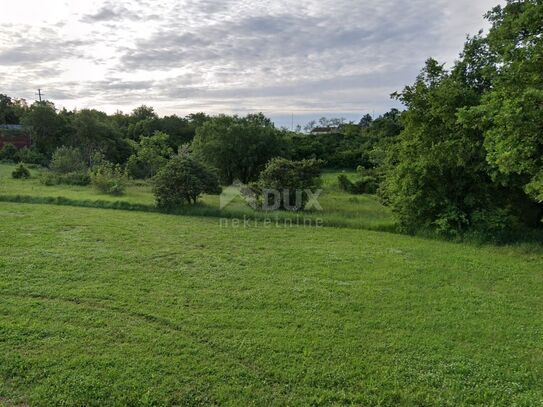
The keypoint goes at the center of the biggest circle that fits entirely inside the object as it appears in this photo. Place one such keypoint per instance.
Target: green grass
(339, 208)
(102, 307)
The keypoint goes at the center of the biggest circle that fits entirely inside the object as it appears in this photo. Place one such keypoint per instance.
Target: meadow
(338, 208)
(114, 307)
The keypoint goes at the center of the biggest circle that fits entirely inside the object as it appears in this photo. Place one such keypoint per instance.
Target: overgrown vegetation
(109, 178)
(469, 159)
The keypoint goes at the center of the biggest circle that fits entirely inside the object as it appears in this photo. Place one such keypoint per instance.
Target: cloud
(111, 12)
(234, 55)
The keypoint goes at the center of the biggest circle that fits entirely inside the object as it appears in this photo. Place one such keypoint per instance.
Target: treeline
(238, 147)
(471, 155)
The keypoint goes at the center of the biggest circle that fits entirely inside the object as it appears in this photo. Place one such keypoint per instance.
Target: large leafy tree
(239, 147)
(93, 132)
(49, 130)
(511, 113)
(10, 110)
(438, 173)
(471, 151)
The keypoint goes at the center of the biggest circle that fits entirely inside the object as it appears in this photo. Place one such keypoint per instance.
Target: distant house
(14, 134)
(325, 130)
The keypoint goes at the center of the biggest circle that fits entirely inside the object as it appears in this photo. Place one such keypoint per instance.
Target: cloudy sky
(303, 57)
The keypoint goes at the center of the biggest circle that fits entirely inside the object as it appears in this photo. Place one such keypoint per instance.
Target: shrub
(182, 180)
(31, 156)
(8, 152)
(67, 160)
(366, 185)
(20, 172)
(109, 178)
(291, 179)
(71, 178)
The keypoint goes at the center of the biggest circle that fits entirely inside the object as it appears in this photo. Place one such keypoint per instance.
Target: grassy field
(102, 307)
(339, 208)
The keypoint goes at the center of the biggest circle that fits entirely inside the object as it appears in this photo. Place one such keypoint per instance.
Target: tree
(152, 153)
(67, 160)
(438, 175)
(48, 129)
(511, 113)
(179, 129)
(20, 172)
(288, 181)
(471, 155)
(238, 147)
(365, 121)
(92, 132)
(8, 111)
(8, 152)
(182, 181)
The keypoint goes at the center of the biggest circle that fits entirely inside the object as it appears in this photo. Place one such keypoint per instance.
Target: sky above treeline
(294, 60)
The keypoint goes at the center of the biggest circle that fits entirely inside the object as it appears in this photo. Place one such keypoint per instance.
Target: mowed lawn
(103, 307)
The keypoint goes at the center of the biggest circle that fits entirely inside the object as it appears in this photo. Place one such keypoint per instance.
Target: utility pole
(39, 94)
(292, 123)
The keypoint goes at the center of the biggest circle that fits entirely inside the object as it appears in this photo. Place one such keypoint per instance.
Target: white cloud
(304, 56)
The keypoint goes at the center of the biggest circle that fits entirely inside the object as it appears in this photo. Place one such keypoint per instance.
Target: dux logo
(238, 190)
(271, 199)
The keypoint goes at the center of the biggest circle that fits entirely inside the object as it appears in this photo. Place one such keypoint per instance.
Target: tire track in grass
(254, 370)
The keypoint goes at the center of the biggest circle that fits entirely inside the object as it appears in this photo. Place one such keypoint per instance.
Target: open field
(339, 208)
(102, 307)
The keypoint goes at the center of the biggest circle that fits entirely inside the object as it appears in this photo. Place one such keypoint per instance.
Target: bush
(31, 156)
(366, 185)
(291, 179)
(71, 178)
(182, 180)
(109, 178)
(8, 152)
(67, 160)
(20, 172)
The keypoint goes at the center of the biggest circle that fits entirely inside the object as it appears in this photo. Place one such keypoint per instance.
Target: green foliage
(366, 184)
(181, 181)
(49, 129)
(470, 157)
(109, 178)
(8, 152)
(94, 131)
(352, 145)
(510, 114)
(67, 160)
(31, 156)
(80, 178)
(20, 172)
(291, 179)
(152, 153)
(10, 110)
(238, 147)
